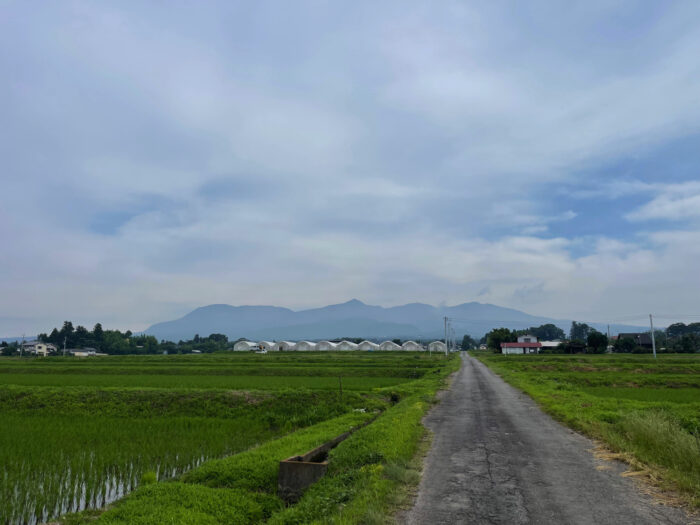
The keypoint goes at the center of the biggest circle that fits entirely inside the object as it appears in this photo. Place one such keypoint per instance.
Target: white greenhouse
(266, 345)
(346, 345)
(326, 346)
(368, 346)
(411, 346)
(305, 346)
(389, 346)
(437, 346)
(245, 346)
(284, 346)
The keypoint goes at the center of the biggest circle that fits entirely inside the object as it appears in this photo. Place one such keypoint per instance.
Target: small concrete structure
(347, 346)
(297, 473)
(245, 346)
(368, 346)
(412, 346)
(437, 346)
(389, 346)
(284, 346)
(326, 346)
(305, 346)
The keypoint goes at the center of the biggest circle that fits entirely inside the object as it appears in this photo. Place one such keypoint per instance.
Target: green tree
(97, 332)
(625, 345)
(468, 342)
(579, 331)
(545, 332)
(597, 342)
(500, 335)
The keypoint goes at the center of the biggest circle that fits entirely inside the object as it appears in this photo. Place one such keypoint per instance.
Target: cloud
(676, 202)
(155, 161)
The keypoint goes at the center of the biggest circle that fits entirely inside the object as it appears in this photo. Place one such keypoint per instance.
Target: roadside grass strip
(646, 410)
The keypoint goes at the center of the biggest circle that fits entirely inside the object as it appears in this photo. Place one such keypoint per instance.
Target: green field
(80, 433)
(647, 409)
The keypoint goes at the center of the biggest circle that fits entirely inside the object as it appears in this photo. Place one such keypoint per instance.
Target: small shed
(412, 346)
(389, 346)
(284, 346)
(437, 346)
(245, 346)
(305, 346)
(326, 346)
(346, 345)
(368, 346)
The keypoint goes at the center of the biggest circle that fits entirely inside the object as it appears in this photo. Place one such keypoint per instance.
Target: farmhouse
(305, 346)
(326, 346)
(642, 339)
(437, 346)
(346, 345)
(245, 346)
(284, 346)
(38, 348)
(412, 346)
(389, 346)
(368, 346)
(527, 344)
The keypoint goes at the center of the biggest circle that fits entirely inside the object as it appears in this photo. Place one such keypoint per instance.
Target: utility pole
(64, 346)
(446, 349)
(653, 339)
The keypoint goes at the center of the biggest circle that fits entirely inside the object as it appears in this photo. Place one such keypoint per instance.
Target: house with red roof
(527, 344)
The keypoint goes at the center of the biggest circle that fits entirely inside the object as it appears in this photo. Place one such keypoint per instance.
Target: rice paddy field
(645, 409)
(79, 434)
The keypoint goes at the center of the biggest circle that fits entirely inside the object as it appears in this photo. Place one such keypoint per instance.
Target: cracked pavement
(496, 458)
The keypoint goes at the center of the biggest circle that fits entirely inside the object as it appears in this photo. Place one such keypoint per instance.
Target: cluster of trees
(683, 338)
(120, 343)
(581, 338)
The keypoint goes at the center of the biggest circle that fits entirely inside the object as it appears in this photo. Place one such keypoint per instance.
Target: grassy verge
(649, 411)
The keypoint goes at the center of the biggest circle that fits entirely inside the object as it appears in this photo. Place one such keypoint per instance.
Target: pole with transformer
(653, 339)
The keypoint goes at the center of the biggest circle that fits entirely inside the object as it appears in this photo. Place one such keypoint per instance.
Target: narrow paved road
(497, 458)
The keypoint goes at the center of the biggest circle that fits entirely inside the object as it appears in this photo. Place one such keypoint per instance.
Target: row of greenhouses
(333, 346)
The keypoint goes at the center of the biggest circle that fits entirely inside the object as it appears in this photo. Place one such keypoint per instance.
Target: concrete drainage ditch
(298, 473)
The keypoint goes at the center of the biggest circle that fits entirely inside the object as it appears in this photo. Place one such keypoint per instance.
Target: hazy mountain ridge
(352, 319)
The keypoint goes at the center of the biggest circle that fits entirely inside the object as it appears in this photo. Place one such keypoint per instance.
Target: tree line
(115, 342)
(677, 338)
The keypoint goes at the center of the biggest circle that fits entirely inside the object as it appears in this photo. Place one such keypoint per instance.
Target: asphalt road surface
(496, 458)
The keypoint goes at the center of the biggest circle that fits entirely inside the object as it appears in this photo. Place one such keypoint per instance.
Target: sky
(160, 156)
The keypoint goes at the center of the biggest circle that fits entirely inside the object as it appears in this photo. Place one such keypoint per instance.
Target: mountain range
(353, 319)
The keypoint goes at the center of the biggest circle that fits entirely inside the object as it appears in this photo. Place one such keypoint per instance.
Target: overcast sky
(158, 157)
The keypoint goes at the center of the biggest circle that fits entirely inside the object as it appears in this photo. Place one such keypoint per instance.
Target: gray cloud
(158, 159)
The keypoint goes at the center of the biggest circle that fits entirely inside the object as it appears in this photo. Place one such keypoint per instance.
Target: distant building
(641, 339)
(412, 346)
(437, 346)
(326, 346)
(550, 344)
(346, 345)
(39, 348)
(266, 345)
(389, 346)
(527, 344)
(245, 346)
(305, 346)
(368, 346)
(83, 352)
(284, 346)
